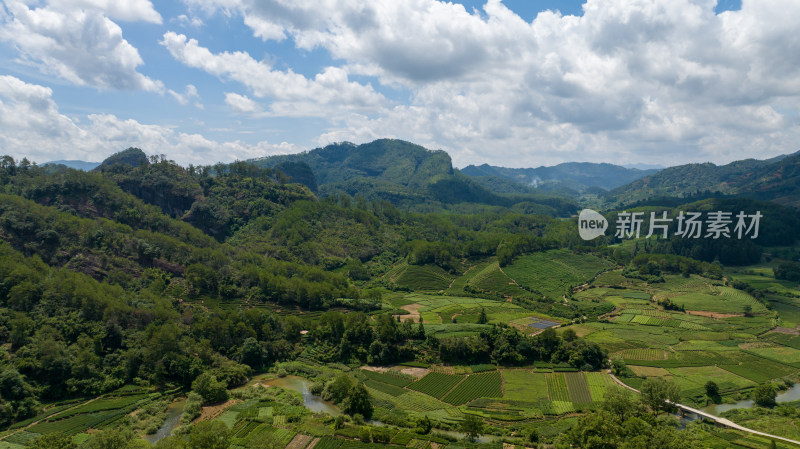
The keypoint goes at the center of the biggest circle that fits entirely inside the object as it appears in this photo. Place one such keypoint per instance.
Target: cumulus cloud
(661, 81)
(127, 10)
(189, 94)
(80, 45)
(293, 93)
(33, 127)
(241, 103)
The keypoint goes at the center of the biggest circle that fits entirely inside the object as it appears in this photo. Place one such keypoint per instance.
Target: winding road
(721, 421)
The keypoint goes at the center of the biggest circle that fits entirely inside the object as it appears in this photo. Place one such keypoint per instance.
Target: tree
(482, 318)
(212, 390)
(111, 439)
(358, 402)
(659, 394)
(209, 435)
(712, 389)
(54, 441)
(472, 426)
(424, 425)
(764, 395)
(619, 402)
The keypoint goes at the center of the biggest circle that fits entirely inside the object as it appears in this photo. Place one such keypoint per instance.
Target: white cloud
(241, 103)
(661, 81)
(125, 10)
(293, 93)
(33, 127)
(190, 93)
(82, 46)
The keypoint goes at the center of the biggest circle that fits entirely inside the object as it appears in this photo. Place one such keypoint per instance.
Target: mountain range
(411, 176)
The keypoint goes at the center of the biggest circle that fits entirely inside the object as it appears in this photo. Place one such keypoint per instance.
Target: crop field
(578, 388)
(436, 384)
(598, 383)
(694, 378)
(436, 309)
(525, 385)
(492, 279)
(557, 387)
(642, 354)
(488, 385)
(392, 378)
(419, 277)
(780, 354)
(457, 286)
(551, 273)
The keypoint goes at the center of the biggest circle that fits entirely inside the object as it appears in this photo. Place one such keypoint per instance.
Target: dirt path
(413, 313)
(213, 411)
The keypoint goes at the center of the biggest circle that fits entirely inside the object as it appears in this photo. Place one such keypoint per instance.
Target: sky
(516, 83)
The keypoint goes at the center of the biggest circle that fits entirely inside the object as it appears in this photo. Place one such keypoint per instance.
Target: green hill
(406, 175)
(776, 179)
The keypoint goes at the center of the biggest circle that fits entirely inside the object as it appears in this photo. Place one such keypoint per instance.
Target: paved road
(725, 422)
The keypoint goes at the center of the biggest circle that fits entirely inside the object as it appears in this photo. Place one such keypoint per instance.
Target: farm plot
(642, 354)
(436, 384)
(493, 280)
(391, 378)
(557, 387)
(758, 369)
(419, 277)
(695, 377)
(780, 354)
(488, 385)
(385, 388)
(599, 383)
(524, 385)
(442, 309)
(578, 388)
(551, 273)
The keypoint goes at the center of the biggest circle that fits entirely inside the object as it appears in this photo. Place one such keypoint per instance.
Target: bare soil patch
(212, 411)
(715, 315)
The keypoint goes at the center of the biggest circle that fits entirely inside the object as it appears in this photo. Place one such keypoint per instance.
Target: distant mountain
(405, 174)
(570, 177)
(776, 179)
(77, 165)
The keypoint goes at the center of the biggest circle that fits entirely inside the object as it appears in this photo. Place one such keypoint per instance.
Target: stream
(792, 394)
(173, 417)
(303, 385)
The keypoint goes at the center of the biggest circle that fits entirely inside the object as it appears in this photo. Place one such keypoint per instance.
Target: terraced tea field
(551, 273)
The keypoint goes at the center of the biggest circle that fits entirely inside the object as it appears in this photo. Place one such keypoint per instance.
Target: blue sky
(514, 83)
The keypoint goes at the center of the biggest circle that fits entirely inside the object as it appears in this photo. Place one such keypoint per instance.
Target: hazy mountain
(566, 177)
(78, 165)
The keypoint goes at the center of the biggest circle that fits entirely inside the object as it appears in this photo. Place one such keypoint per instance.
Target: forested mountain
(574, 177)
(408, 176)
(776, 179)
